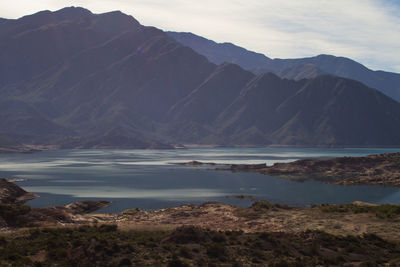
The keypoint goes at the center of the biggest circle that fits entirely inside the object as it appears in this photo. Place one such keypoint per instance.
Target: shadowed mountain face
(76, 79)
(104, 78)
(297, 69)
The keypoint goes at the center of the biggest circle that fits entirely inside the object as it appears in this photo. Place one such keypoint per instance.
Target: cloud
(364, 30)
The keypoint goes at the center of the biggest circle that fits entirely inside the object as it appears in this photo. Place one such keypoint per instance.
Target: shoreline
(355, 218)
(376, 169)
(260, 216)
(211, 232)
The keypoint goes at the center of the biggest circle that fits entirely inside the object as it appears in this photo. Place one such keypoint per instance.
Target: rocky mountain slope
(74, 79)
(300, 68)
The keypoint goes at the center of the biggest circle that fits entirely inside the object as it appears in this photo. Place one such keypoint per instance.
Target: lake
(149, 179)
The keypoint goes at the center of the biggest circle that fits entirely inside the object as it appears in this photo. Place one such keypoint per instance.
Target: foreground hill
(191, 246)
(74, 79)
(208, 234)
(386, 82)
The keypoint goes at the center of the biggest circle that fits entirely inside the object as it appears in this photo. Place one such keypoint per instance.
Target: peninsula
(380, 169)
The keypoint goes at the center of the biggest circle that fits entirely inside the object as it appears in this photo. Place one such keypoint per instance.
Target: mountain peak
(73, 10)
(71, 13)
(47, 16)
(297, 69)
(115, 13)
(76, 79)
(117, 18)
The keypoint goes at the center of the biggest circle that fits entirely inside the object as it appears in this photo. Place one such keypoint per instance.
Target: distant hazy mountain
(220, 53)
(386, 82)
(76, 79)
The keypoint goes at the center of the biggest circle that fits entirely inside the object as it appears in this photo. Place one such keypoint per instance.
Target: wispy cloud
(365, 30)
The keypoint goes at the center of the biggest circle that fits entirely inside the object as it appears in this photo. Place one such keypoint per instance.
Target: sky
(367, 31)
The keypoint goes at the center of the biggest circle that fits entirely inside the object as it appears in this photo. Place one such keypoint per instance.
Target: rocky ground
(211, 234)
(261, 217)
(350, 219)
(11, 193)
(24, 148)
(381, 169)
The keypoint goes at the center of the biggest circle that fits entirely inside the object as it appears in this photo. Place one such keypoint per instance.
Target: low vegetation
(260, 235)
(13, 214)
(260, 209)
(385, 211)
(265, 205)
(105, 245)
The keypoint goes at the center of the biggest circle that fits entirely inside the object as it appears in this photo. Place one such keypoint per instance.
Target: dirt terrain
(275, 218)
(262, 216)
(206, 235)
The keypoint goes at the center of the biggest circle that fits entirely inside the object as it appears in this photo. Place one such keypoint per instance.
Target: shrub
(185, 252)
(125, 262)
(385, 211)
(176, 262)
(217, 251)
(108, 228)
(12, 213)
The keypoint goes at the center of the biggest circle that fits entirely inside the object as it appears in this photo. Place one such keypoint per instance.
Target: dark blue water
(148, 179)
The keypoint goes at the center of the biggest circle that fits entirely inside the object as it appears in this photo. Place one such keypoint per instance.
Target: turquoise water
(149, 179)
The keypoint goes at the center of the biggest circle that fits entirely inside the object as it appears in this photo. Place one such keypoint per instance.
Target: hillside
(300, 68)
(74, 79)
(91, 80)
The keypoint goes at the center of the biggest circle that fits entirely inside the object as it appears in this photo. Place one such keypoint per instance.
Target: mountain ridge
(386, 82)
(74, 79)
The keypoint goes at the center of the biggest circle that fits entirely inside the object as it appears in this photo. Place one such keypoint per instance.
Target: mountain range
(300, 68)
(74, 79)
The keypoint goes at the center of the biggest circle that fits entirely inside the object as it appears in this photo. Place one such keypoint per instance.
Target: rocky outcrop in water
(381, 169)
(235, 167)
(11, 193)
(196, 163)
(14, 214)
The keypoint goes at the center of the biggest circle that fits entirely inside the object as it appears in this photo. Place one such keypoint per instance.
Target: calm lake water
(149, 179)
